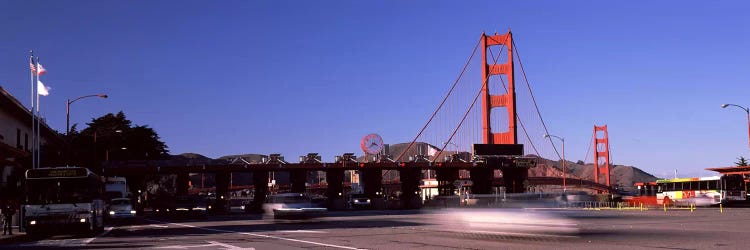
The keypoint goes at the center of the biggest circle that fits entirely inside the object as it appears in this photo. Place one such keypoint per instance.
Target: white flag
(41, 89)
(432, 151)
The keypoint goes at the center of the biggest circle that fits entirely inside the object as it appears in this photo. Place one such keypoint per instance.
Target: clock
(372, 144)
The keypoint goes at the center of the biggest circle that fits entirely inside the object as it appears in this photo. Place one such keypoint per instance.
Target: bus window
(712, 185)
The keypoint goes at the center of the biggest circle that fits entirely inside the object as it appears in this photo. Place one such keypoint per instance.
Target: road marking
(301, 231)
(211, 245)
(260, 235)
(229, 246)
(151, 225)
(106, 231)
(69, 242)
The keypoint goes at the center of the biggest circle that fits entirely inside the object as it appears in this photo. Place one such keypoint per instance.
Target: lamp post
(747, 111)
(67, 109)
(563, 156)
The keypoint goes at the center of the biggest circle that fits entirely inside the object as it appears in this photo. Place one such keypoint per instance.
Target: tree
(741, 162)
(112, 137)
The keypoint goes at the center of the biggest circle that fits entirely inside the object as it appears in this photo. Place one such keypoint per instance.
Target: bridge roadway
(705, 228)
(140, 168)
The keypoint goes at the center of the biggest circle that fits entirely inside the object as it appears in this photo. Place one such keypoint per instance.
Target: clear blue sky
(228, 77)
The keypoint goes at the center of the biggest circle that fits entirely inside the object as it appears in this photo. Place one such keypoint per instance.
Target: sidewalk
(16, 237)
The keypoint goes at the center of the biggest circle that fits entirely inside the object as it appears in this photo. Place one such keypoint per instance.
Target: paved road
(519, 229)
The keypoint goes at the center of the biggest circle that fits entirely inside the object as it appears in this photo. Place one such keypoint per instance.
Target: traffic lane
(352, 233)
(700, 229)
(75, 241)
(605, 229)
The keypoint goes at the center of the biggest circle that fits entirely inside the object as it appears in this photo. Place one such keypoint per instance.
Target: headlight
(132, 211)
(111, 212)
(83, 220)
(368, 200)
(33, 222)
(209, 207)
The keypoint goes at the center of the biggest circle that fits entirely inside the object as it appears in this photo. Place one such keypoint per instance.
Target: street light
(563, 156)
(747, 111)
(67, 109)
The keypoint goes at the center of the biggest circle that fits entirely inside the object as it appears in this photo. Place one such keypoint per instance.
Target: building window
(18, 139)
(26, 141)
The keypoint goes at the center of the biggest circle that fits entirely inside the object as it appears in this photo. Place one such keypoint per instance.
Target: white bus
(65, 198)
(704, 190)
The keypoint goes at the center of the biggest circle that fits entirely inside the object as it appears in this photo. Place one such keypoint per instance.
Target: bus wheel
(667, 201)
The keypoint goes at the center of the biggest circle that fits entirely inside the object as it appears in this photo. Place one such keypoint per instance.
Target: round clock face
(372, 144)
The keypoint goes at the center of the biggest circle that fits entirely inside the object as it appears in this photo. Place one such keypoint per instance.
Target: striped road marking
(260, 235)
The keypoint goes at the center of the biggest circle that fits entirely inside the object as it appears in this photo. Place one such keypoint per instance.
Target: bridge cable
(589, 149)
(437, 156)
(520, 122)
(441, 103)
(532, 97)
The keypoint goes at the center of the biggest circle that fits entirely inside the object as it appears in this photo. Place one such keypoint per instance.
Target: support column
(222, 192)
(372, 180)
(335, 190)
(183, 184)
(410, 178)
(481, 179)
(260, 183)
(445, 178)
(298, 177)
(515, 179)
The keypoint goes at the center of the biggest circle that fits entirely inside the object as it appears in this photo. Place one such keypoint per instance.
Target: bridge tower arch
(507, 100)
(601, 154)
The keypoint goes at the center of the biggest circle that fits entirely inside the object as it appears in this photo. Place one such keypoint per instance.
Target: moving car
(292, 206)
(359, 201)
(120, 208)
(190, 206)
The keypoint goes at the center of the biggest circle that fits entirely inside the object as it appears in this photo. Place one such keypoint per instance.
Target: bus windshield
(55, 191)
(733, 183)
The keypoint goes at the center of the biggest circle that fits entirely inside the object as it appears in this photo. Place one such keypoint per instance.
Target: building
(16, 144)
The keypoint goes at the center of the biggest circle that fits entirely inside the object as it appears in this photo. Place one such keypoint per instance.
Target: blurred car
(190, 206)
(359, 201)
(574, 198)
(120, 208)
(292, 206)
(701, 200)
(519, 222)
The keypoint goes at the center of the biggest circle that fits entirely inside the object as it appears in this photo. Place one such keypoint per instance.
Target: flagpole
(38, 125)
(33, 119)
(38, 118)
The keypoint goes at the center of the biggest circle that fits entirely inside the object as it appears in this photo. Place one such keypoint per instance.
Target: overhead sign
(56, 173)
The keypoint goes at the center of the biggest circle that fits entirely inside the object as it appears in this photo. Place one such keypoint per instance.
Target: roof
(11, 105)
(732, 170)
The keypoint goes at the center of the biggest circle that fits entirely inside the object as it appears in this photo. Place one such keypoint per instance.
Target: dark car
(359, 201)
(190, 206)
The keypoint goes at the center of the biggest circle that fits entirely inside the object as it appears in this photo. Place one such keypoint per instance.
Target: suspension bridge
(481, 130)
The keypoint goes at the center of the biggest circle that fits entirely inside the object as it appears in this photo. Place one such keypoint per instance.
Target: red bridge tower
(601, 152)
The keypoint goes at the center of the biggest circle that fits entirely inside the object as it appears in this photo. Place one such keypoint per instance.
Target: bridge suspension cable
(520, 122)
(466, 65)
(589, 149)
(526, 79)
(476, 97)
